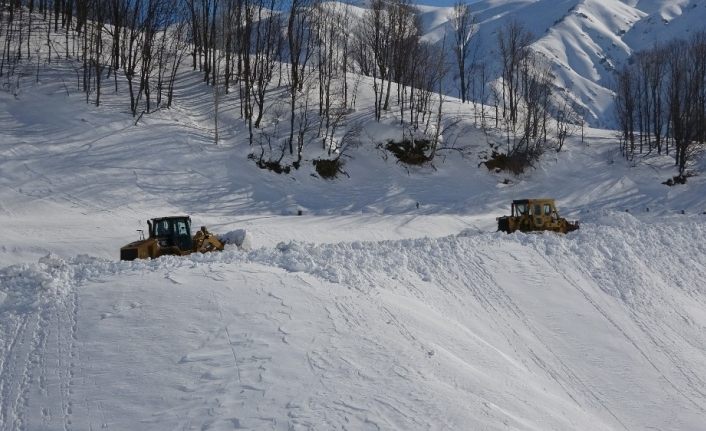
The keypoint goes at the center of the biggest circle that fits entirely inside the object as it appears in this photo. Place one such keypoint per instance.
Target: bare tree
(268, 44)
(625, 110)
(513, 44)
(464, 26)
(299, 44)
(568, 120)
(375, 50)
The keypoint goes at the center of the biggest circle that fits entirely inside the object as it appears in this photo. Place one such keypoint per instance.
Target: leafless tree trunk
(298, 40)
(513, 44)
(464, 26)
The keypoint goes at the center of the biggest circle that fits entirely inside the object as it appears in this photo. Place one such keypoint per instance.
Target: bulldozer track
(23, 358)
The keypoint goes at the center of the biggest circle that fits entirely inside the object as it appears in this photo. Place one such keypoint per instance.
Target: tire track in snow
(34, 361)
(219, 309)
(325, 268)
(42, 364)
(32, 297)
(71, 315)
(634, 343)
(658, 271)
(19, 398)
(576, 381)
(65, 316)
(695, 382)
(30, 302)
(60, 370)
(12, 354)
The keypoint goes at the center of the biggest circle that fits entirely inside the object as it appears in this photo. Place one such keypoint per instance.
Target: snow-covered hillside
(390, 303)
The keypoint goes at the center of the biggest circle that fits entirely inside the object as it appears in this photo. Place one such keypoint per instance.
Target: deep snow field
(391, 303)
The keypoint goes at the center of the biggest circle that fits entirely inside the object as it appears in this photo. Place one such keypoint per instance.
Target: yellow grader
(170, 236)
(535, 215)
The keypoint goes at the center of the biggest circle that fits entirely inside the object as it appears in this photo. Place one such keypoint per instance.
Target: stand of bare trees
(305, 51)
(526, 97)
(389, 48)
(332, 38)
(660, 101)
(143, 39)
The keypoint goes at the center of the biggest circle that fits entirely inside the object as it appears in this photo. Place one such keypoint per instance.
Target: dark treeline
(311, 52)
(661, 101)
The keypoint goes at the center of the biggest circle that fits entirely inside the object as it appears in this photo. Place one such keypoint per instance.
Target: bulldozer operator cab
(172, 231)
(519, 208)
(541, 211)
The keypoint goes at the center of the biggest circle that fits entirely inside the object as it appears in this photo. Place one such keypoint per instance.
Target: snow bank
(622, 253)
(23, 286)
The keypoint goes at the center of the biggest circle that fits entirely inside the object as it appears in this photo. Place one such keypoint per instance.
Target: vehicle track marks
(10, 359)
(635, 344)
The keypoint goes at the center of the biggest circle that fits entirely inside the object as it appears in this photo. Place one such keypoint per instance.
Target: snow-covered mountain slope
(585, 40)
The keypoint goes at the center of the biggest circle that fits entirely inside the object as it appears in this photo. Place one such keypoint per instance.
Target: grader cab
(170, 236)
(535, 215)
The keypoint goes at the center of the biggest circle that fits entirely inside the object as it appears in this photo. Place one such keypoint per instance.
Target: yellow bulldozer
(170, 236)
(535, 215)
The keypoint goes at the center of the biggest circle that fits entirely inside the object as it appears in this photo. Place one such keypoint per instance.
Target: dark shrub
(327, 168)
(410, 152)
(270, 165)
(502, 162)
(515, 163)
(679, 179)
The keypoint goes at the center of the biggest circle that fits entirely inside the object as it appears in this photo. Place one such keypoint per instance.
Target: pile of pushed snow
(624, 254)
(238, 237)
(23, 286)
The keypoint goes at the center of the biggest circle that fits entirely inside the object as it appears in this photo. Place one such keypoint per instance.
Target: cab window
(162, 228)
(538, 209)
(182, 228)
(521, 209)
(547, 209)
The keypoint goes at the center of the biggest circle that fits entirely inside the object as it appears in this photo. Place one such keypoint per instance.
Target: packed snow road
(600, 329)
